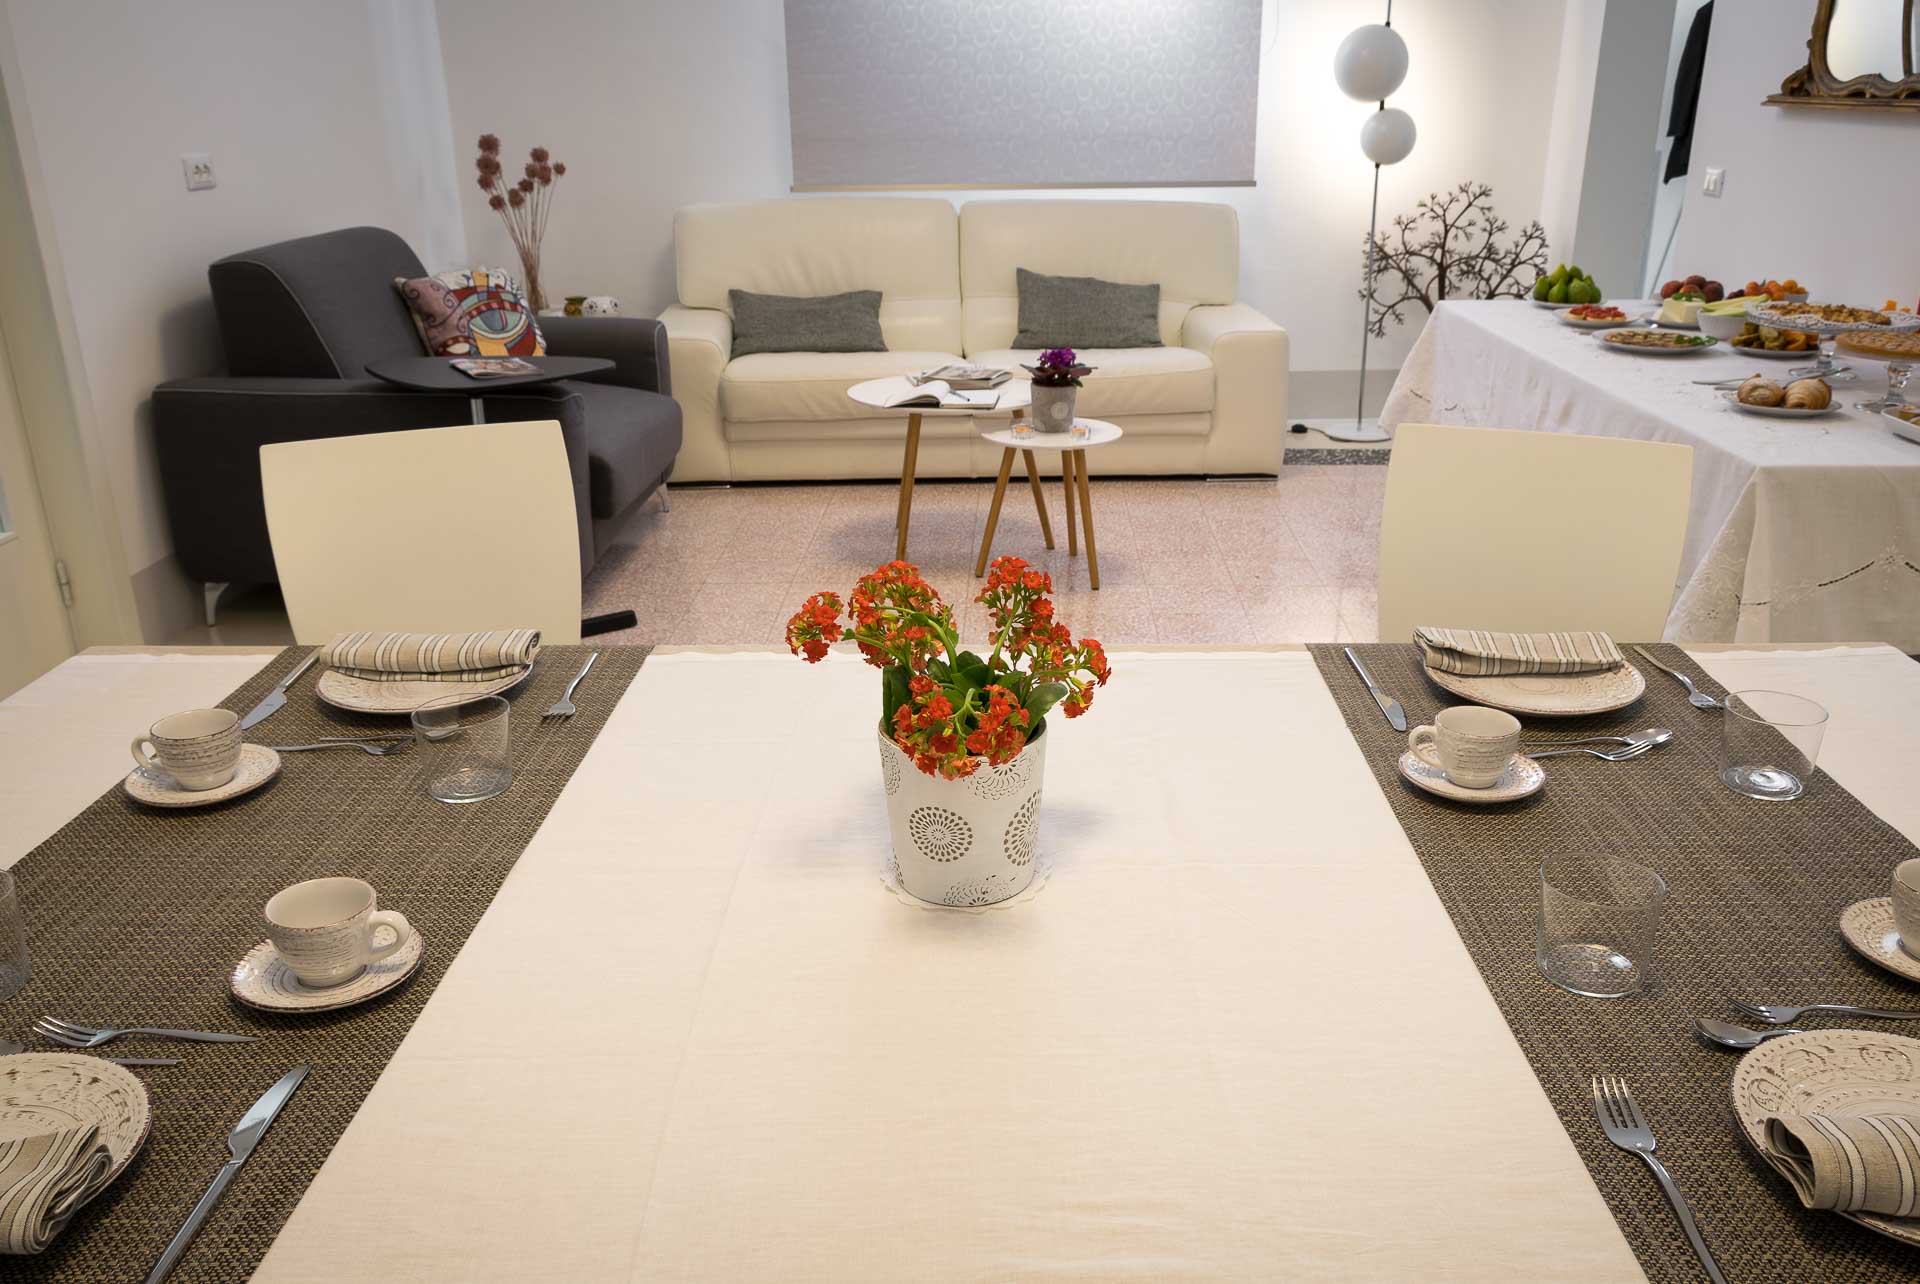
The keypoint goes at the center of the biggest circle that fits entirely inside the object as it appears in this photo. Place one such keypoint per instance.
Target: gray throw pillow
(1085, 312)
(828, 323)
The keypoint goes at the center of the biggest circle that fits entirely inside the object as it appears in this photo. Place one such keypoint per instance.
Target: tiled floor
(1291, 560)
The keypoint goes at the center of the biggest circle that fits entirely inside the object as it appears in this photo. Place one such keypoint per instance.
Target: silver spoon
(1728, 1035)
(376, 748)
(1695, 697)
(9, 1048)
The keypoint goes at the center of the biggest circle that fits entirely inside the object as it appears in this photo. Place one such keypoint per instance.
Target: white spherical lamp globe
(1370, 63)
(1387, 137)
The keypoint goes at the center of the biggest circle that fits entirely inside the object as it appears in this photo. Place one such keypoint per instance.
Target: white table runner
(1799, 530)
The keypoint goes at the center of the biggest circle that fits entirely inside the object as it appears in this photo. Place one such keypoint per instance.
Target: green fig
(1575, 274)
(1559, 276)
(1540, 288)
(1558, 294)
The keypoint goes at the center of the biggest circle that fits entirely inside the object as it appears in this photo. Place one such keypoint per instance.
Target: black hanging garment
(1686, 93)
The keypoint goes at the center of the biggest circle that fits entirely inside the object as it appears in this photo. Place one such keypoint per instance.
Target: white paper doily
(890, 879)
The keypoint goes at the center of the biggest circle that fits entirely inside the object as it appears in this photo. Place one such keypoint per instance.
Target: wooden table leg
(1039, 496)
(907, 462)
(993, 513)
(1086, 515)
(1066, 484)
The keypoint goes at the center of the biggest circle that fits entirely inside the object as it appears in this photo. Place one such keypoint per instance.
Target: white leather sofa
(1212, 401)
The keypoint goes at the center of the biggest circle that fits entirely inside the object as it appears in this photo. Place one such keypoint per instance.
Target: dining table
(1234, 1033)
(1798, 530)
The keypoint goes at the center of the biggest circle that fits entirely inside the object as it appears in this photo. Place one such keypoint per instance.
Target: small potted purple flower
(1056, 377)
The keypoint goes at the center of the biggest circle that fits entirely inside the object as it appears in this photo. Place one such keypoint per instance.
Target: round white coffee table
(1015, 396)
(1087, 434)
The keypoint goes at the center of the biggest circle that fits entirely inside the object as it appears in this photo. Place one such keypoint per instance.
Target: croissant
(1759, 390)
(1808, 394)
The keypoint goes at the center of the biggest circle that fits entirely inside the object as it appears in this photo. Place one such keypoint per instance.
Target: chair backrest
(907, 248)
(1190, 249)
(320, 307)
(1488, 528)
(437, 530)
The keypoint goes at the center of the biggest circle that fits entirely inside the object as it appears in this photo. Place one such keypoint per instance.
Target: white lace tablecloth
(1800, 531)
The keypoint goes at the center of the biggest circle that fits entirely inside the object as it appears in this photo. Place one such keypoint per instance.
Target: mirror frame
(1815, 85)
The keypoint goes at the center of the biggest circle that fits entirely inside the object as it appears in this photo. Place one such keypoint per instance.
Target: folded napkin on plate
(432, 657)
(44, 1179)
(1478, 653)
(1865, 1165)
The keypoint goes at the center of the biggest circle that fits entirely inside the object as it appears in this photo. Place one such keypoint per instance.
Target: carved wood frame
(1815, 85)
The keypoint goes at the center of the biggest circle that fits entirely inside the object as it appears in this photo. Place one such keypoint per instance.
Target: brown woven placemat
(1755, 894)
(137, 917)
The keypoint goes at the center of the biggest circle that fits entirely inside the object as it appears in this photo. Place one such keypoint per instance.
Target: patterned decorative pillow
(476, 313)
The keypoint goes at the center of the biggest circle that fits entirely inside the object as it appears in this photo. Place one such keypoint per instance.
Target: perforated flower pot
(1052, 408)
(970, 841)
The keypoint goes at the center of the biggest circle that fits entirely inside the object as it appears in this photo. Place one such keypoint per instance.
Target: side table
(1086, 434)
(436, 374)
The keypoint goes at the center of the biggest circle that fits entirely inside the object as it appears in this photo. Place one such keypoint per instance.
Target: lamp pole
(1366, 303)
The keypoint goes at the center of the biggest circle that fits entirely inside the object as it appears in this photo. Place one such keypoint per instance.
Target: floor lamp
(1368, 66)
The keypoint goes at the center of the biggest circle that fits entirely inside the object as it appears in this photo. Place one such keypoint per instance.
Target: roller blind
(1022, 93)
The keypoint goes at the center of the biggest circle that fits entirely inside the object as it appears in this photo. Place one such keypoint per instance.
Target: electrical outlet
(1714, 183)
(198, 168)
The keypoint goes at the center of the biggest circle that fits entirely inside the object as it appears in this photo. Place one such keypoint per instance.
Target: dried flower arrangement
(522, 205)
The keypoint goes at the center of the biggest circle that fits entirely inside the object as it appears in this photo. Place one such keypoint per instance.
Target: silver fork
(8, 1048)
(80, 1036)
(1626, 1127)
(375, 747)
(562, 709)
(1781, 1014)
(1608, 755)
(1695, 697)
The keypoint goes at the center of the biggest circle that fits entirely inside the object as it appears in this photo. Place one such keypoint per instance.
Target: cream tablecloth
(1234, 1037)
(1804, 531)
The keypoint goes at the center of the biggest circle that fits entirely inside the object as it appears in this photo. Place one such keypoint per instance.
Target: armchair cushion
(632, 438)
(317, 307)
(477, 312)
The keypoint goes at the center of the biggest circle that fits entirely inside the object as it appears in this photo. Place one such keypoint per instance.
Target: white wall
(291, 103)
(1824, 196)
(659, 105)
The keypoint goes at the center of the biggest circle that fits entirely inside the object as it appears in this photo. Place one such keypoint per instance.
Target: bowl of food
(1723, 320)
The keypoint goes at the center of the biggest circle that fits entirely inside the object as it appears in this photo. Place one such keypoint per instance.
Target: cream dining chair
(436, 530)
(1490, 528)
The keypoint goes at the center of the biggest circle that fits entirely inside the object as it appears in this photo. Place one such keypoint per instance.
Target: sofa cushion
(1129, 381)
(1086, 312)
(848, 322)
(811, 385)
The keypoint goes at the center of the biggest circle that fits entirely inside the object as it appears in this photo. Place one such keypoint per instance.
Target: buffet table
(1799, 531)
(1234, 1035)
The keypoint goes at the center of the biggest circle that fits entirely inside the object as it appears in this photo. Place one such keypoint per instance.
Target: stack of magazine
(963, 378)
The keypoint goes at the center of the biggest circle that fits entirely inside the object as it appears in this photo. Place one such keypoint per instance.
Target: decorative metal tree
(1450, 248)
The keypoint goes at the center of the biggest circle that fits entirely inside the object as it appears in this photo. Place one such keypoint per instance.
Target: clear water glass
(1598, 919)
(465, 745)
(15, 968)
(1769, 743)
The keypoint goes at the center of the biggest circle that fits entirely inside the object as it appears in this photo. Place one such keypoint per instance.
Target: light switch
(1714, 183)
(198, 168)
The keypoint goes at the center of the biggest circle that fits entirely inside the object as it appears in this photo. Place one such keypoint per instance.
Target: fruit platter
(1774, 345)
(1593, 316)
(1695, 287)
(1565, 285)
(1656, 343)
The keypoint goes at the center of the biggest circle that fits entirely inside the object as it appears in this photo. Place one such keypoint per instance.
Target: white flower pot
(970, 841)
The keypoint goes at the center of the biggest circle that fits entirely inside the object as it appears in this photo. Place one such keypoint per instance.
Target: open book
(935, 394)
(963, 377)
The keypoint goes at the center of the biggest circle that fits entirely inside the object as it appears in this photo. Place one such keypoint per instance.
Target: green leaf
(893, 693)
(1041, 700)
(974, 670)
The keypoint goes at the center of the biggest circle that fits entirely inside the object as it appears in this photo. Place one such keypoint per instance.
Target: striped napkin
(44, 1179)
(1479, 653)
(432, 657)
(1865, 1165)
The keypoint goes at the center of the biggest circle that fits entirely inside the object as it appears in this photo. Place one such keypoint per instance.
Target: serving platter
(1779, 412)
(1621, 341)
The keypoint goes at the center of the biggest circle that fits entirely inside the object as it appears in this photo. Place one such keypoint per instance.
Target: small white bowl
(1723, 326)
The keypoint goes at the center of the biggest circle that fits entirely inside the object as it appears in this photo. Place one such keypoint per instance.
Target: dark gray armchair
(300, 322)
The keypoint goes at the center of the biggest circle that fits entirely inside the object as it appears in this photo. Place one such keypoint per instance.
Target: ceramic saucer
(1868, 927)
(402, 698)
(262, 980)
(1523, 776)
(1548, 695)
(258, 765)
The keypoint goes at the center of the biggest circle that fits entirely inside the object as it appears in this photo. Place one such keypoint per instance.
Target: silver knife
(270, 705)
(240, 1144)
(1396, 716)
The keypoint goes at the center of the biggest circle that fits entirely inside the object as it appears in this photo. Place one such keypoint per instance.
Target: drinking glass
(1598, 918)
(15, 967)
(464, 743)
(1769, 742)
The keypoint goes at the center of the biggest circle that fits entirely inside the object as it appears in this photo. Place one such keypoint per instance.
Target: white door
(34, 632)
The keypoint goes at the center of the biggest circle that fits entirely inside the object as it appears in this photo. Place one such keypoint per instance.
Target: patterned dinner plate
(263, 980)
(402, 698)
(1523, 777)
(1868, 927)
(1549, 695)
(258, 765)
(42, 1091)
(1842, 1073)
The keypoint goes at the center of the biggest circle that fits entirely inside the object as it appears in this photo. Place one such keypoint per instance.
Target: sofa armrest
(637, 346)
(700, 341)
(1249, 354)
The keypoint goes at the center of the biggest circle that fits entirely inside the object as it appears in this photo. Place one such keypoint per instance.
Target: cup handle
(140, 744)
(402, 933)
(1420, 741)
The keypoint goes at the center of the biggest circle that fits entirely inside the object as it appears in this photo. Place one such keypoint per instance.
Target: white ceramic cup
(200, 748)
(323, 929)
(1906, 904)
(1469, 742)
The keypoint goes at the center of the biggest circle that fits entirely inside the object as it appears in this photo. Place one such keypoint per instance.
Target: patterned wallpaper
(1005, 93)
